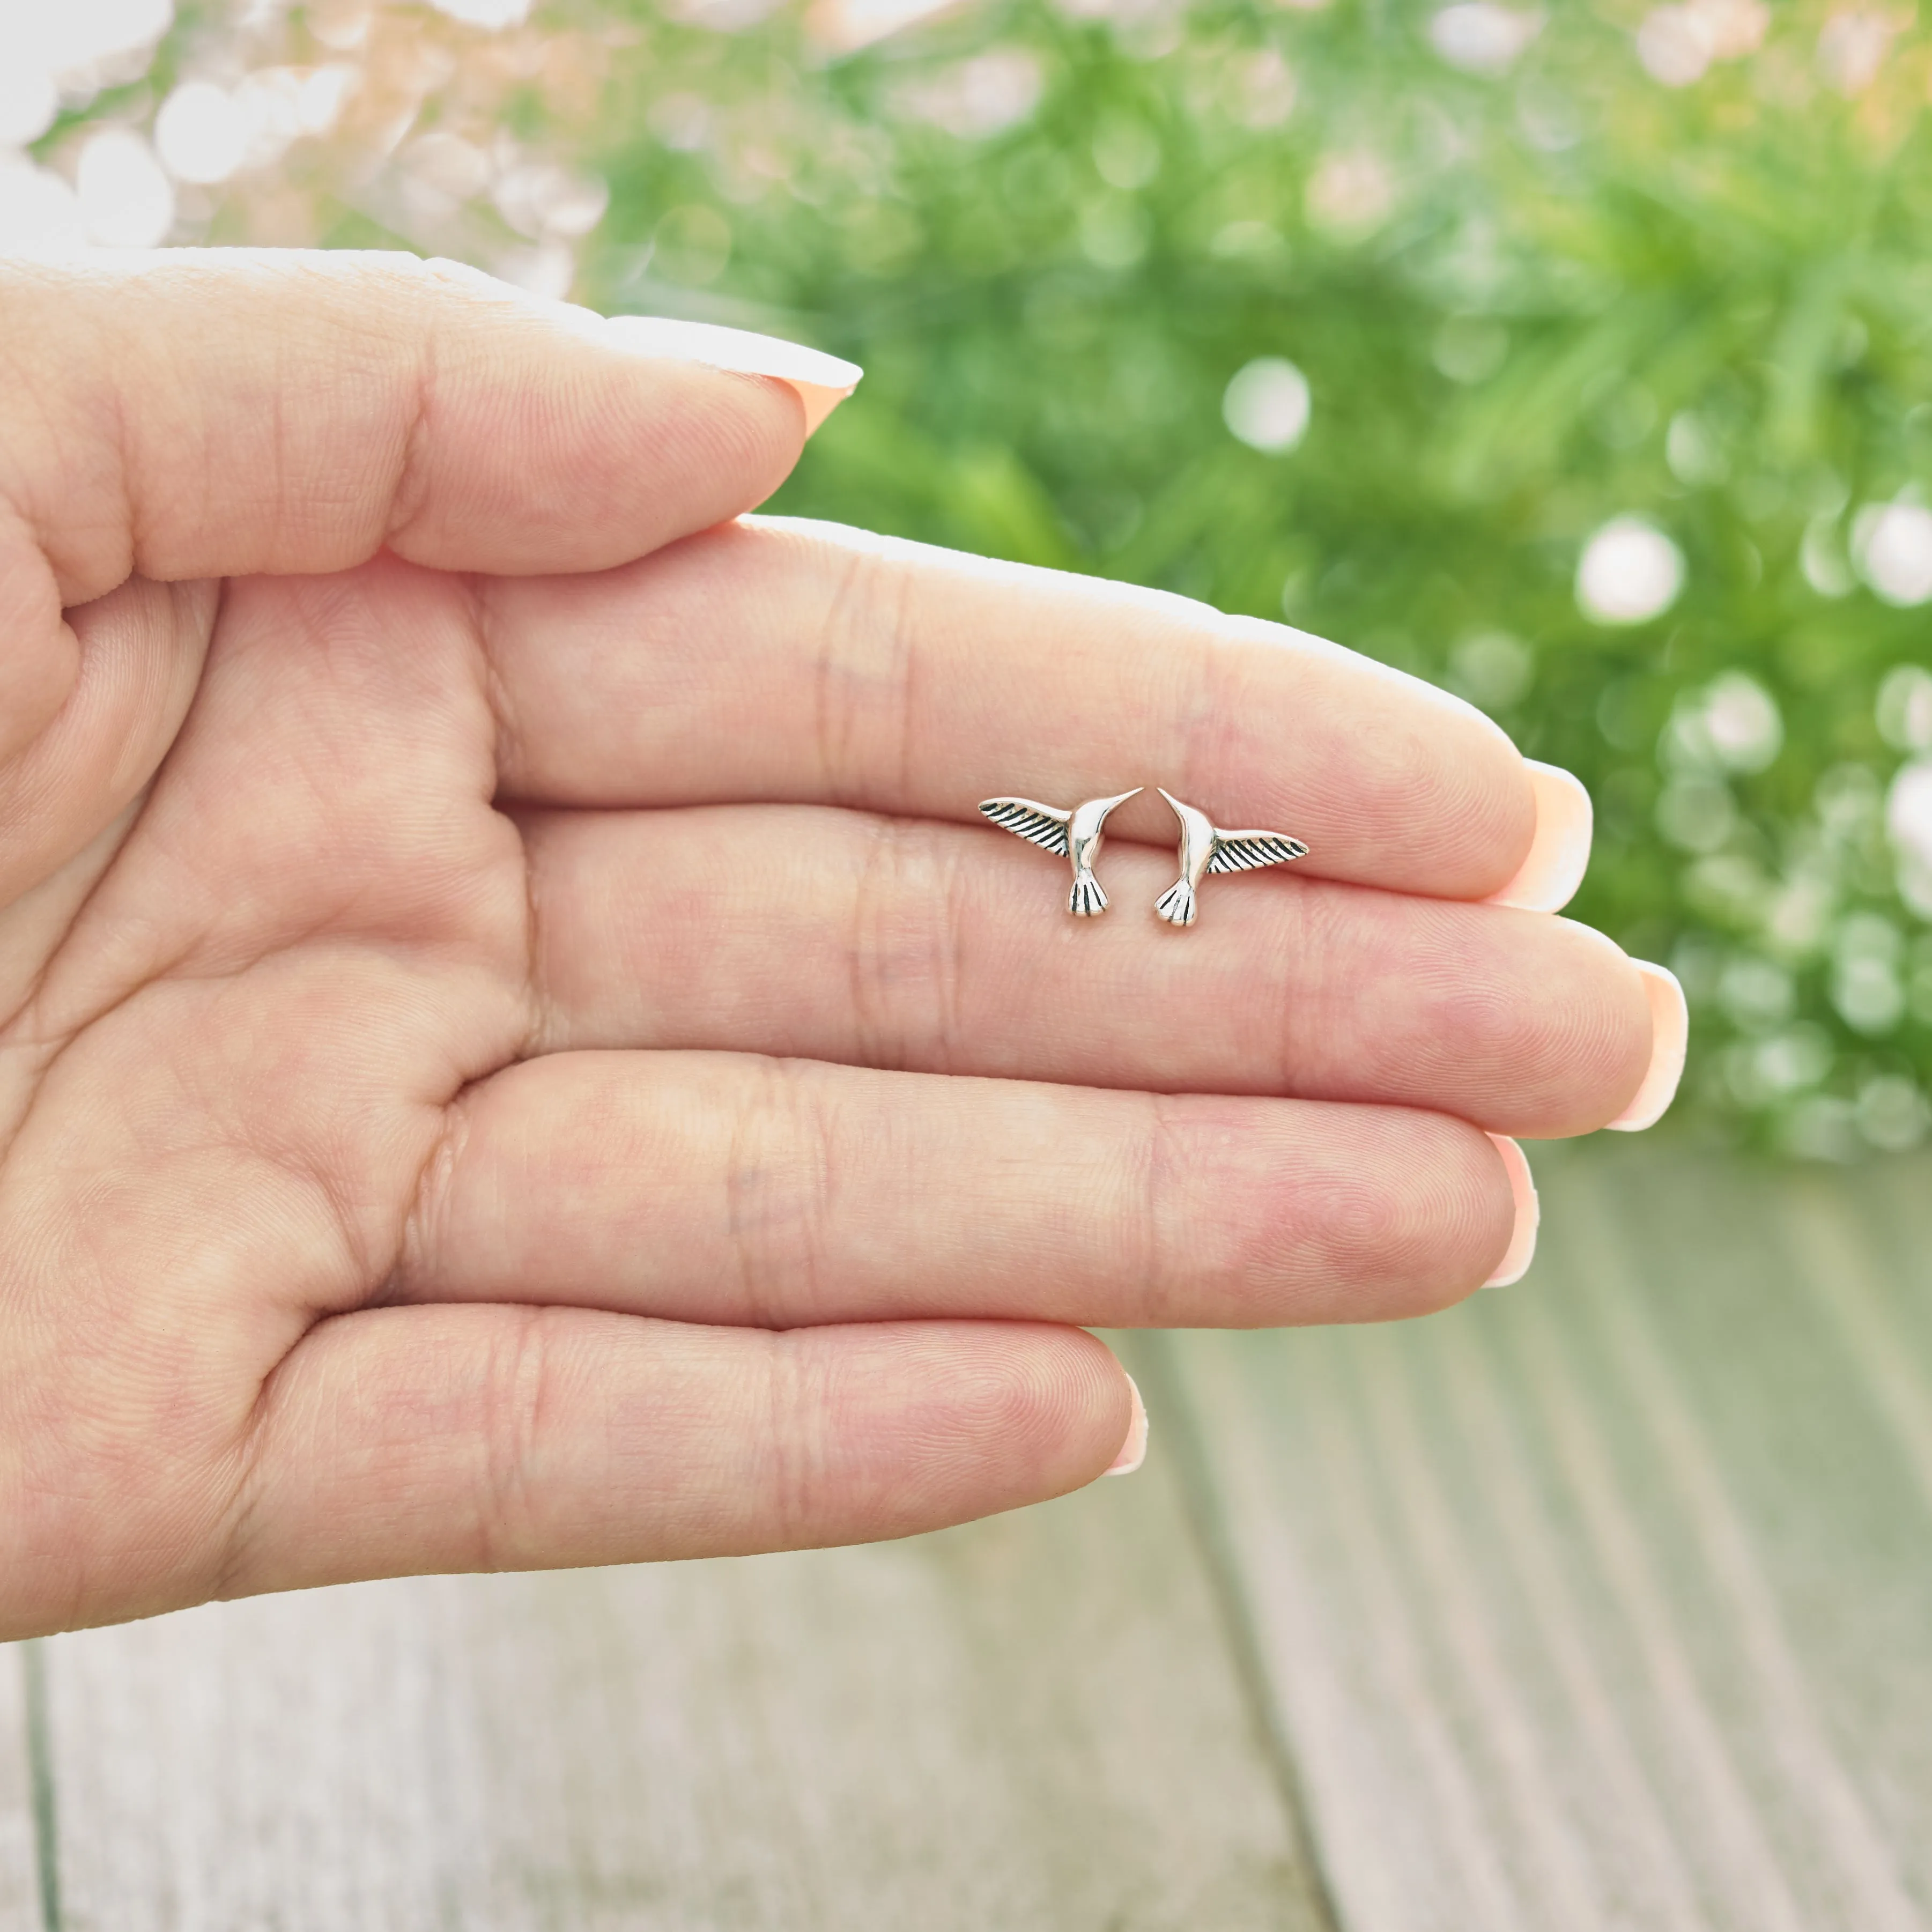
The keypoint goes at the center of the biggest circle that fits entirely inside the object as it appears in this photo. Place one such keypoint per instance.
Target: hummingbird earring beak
(1205, 848)
(1073, 836)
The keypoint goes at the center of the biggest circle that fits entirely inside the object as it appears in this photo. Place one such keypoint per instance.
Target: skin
(515, 1048)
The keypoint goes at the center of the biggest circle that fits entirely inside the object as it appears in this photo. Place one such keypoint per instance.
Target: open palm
(515, 1048)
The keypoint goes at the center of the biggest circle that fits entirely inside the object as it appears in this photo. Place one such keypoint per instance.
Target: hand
(515, 1047)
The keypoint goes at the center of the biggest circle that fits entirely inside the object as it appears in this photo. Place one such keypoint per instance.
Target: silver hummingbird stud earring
(1204, 848)
(1075, 835)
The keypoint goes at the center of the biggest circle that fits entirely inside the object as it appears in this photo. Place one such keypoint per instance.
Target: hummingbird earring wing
(1074, 835)
(1205, 848)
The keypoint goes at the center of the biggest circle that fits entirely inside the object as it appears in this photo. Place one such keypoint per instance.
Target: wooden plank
(1602, 1602)
(1032, 1722)
(20, 1867)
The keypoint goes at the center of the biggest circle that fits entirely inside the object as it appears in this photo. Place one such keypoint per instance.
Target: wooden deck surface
(1604, 1601)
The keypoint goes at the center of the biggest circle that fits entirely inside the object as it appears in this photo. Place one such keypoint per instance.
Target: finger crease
(519, 1378)
(904, 697)
(423, 1235)
(866, 682)
(540, 1019)
(880, 881)
(1213, 712)
(410, 490)
(792, 1457)
(776, 1196)
(832, 685)
(1162, 1228)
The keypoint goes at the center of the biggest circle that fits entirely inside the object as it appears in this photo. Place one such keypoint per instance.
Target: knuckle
(907, 929)
(797, 1478)
(429, 1218)
(778, 1185)
(866, 679)
(413, 474)
(1170, 1259)
(517, 1400)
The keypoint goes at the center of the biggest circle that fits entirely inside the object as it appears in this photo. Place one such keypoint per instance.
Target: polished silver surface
(1075, 835)
(1205, 848)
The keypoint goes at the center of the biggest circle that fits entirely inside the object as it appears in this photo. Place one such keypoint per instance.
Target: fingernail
(1670, 1035)
(1560, 853)
(823, 382)
(1133, 1450)
(1515, 1263)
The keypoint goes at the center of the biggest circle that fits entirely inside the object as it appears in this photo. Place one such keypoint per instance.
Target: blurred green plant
(1579, 361)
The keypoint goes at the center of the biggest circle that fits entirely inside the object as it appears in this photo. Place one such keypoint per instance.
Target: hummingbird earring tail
(1205, 848)
(1073, 836)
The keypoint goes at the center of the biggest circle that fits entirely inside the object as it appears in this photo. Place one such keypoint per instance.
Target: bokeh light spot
(28, 102)
(201, 133)
(1742, 723)
(1892, 1113)
(38, 211)
(1629, 573)
(1696, 814)
(1672, 47)
(1903, 713)
(1891, 544)
(1268, 404)
(126, 199)
(1480, 38)
(1351, 193)
(493, 16)
(1693, 451)
(1908, 812)
(1492, 669)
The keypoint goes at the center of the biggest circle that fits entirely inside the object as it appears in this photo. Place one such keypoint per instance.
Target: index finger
(219, 413)
(773, 661)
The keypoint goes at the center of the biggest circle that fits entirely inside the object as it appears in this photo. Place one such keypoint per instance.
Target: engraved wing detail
(1243, 851)
(1038, 824)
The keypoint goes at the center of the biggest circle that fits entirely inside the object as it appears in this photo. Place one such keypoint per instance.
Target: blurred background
(1579, 359)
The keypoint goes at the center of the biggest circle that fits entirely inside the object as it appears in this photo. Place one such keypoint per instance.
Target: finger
(811, 665)
(830, 935)
(405, 1440)
(723, 1187)
(204, 414)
